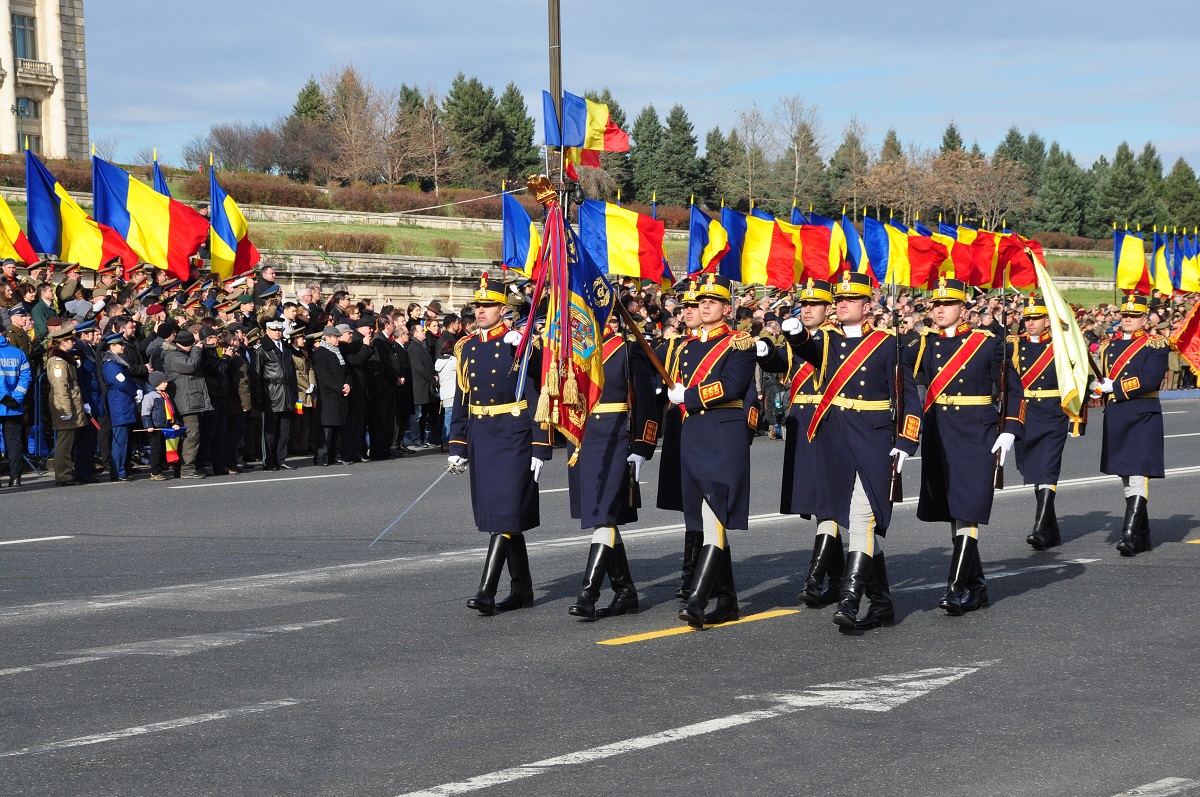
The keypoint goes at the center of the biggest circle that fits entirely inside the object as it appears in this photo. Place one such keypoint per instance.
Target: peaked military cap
(814, 291)
(854, 284)
(489, 291)
(1135, 305)
(1034, 307)
(714, 286)
(949, 290)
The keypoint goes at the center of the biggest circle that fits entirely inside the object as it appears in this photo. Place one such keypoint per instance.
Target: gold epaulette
(828, 326)
(1157, 342)
(985, 332)
(1013, 339)
(743, 341)
(458, 347)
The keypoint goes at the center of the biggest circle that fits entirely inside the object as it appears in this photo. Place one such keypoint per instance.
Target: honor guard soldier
(803, 492)
(713, 372)
(670, 488)
(1135, 363)
(492, 425)
(1040, 449)
(859, 441)
(967, 370)
(619, 437)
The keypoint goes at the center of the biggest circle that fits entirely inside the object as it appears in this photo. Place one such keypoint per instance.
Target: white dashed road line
(1161, 788)
(37, 539)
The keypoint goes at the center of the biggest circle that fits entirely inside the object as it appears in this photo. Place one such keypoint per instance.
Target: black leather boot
(484, 601)
(976, 594)
(692, 541)
(956, 582)
(827, 560)
(858, 570)
(1045, 532)
(1135, 529)
(708, 565)
(521, 595)
(879, 593)
(593, 578)
(625, 597)
(725, 592)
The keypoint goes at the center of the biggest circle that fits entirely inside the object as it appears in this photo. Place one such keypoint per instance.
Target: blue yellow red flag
(1160, 271)
(13, 243)
(1189, 269)
(620, 241)
(887, 249)
(159, 229)
(856, 253)
(708, 242)
(522, 241)
(229, 243)
(160, 180)
(768, 253)
(1129, 262)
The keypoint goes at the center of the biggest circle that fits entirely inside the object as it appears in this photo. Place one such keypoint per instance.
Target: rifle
(635, 489)
(998, 478)
(896, 486)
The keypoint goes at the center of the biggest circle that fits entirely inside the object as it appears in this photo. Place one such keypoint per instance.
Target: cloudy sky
(1086, 74)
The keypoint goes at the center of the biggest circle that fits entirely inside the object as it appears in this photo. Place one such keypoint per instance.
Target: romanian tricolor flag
(734, 224)
(1129, 262)
(887, 250)
(1176, 250)
(1189, 269)
(160, 179)
(707, 242)
(835, 252)
(161, 230)
(797, 215)
(985, 254)
(1160, 271)
(1187, 340)
(768, 254)
(13, 242)
(856, 253)
(522, 242)
(620, 241)
(58, 226)
(1015, 260)
(586, 126)
(812, 247)
(229, 242)
(171, 436)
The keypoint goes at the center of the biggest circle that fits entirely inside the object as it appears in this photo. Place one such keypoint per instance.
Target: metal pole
(556, 94)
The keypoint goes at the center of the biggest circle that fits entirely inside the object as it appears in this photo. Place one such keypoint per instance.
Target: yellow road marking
(687, 629)
(1192, 542)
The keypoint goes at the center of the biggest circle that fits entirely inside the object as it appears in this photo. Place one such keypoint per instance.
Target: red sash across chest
(1039, 365)
(957, 362)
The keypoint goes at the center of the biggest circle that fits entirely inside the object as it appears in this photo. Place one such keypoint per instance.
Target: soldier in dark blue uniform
(600, 477)
(714, 370)
(962, 435)
(803, 491)
(492, 425)
(1134, 363)
(1040, 449)
(670, 487)
(854, 418)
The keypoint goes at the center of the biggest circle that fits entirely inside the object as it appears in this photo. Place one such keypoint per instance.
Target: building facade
(43, 78)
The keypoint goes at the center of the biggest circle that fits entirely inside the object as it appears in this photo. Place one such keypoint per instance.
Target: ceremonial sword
(455, 469)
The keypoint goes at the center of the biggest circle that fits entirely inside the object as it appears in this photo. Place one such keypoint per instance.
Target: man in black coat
(275, 381)
(423, 388)
(404, 395)
(333, 387)
(356, 350)
(381, 422)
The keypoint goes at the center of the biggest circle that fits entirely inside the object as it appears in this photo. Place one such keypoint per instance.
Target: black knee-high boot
(692, 540)
(1135, 530)
(879, 593)
(625, 597)
(976, 595)
(484, 600)
(858, 570)
(593, 579)
(827, 560)
(1045, 532)
(708, 566)
(961, 563)
(725, 592)
(518, 571)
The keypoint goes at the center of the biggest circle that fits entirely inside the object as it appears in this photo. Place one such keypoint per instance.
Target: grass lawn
(1088, 298)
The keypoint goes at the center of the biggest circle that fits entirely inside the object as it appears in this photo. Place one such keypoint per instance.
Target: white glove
(901, 456)
(1003, 443)
(791, 326)
(311, 388)
(456, 461)
(97, 305)
(87, 408)
(535, 466)
(676, 394)
(65, 417)
(138, 397)
(638, 461)
(762, 348)
(1106, 385)
(512, 338)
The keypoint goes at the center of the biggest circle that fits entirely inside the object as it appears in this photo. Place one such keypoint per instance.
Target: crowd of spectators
(155, 376)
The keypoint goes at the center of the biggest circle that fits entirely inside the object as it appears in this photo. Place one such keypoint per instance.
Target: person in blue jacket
(15, 378)
(124, 401)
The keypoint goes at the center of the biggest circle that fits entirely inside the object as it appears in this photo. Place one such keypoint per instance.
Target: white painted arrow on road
(882, 693)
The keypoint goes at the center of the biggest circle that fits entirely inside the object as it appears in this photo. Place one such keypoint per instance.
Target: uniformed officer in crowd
(604, 472)
(857, 399)
(803, 492)
(670, 488)
(1040, 449)
(493, 426)
(1134, 362)
(962, 434)
(66, 403)
(714, 372)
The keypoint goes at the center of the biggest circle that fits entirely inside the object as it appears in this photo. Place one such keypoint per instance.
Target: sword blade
(399, 517)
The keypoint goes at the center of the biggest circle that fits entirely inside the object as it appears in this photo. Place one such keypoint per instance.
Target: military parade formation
(860, 401)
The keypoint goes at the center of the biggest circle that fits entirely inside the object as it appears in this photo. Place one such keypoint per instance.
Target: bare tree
(106, 148)
(196, 150)
(356, 117)
(797, 126)
(996, 187)
(902, 184)
(751, 145)
(144, 156)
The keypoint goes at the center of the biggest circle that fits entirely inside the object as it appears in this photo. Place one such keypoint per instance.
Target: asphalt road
(236, 636)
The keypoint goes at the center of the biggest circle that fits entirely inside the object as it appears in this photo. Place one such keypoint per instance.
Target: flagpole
(556, 94)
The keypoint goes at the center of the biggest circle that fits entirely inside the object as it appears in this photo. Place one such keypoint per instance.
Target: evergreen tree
(1034, 157)
(677, 159)
(617, 165)
(645, 153)
(976, 150)
(310, 103)
(1152, 166)
(952, 140)
(1060, 195)
(521, 156)
(1095, 225)
(411, 99)
(1013, 146)
(891, 151)
(1124, 194)
(473, 118)
(714, 162)
(1181, 192)
(848, 167)
(801, 171)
